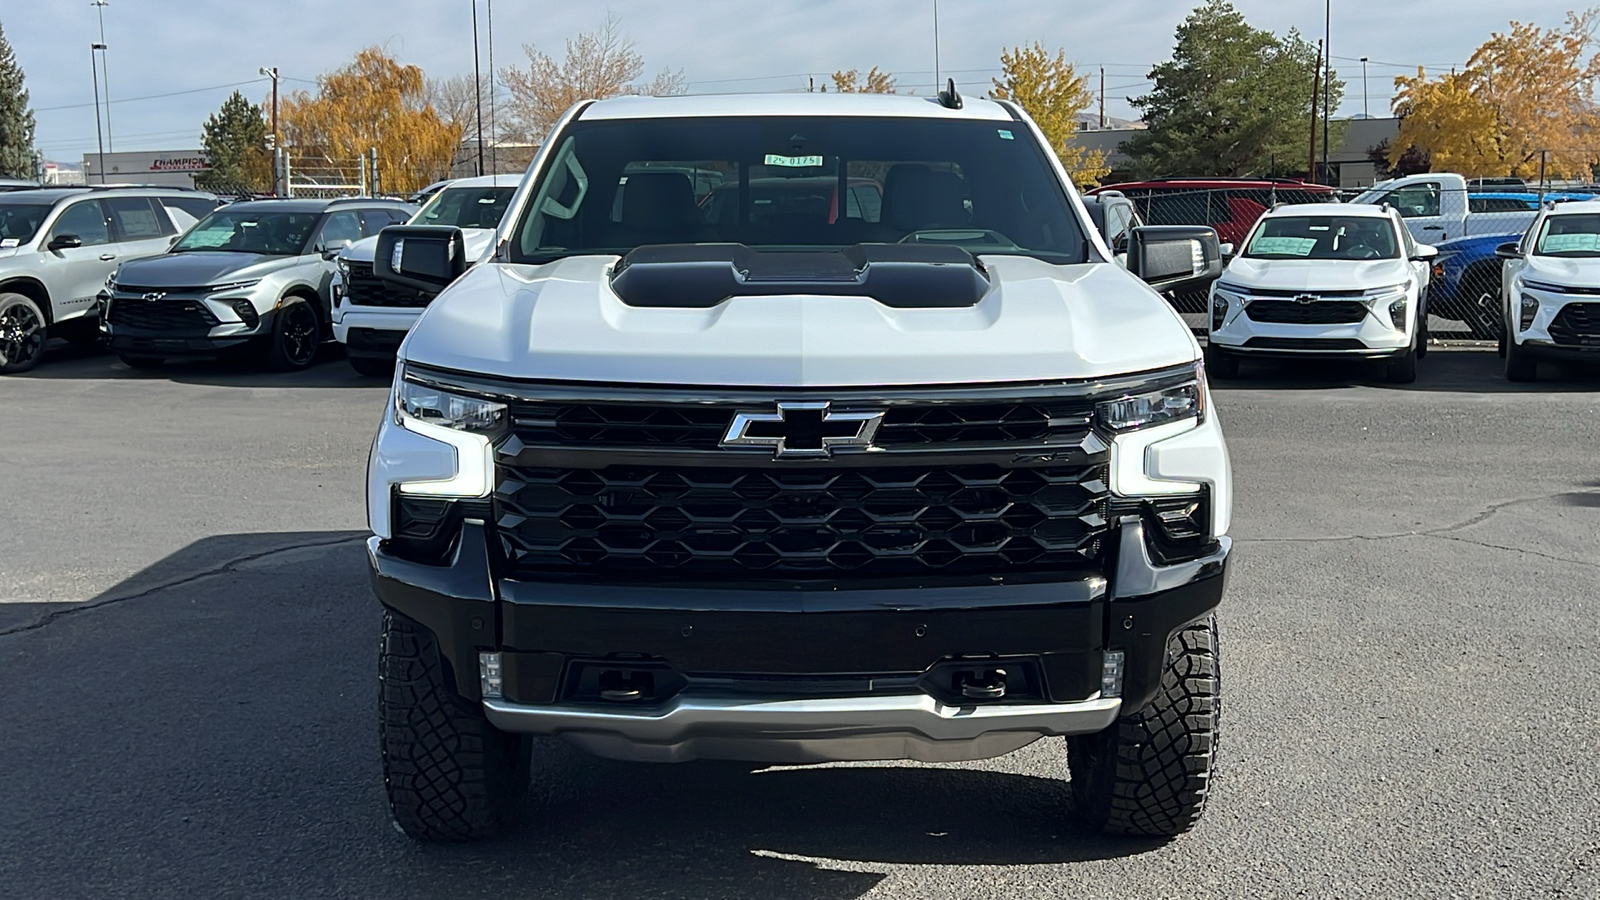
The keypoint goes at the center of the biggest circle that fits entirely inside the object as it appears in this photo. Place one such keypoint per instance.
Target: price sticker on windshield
(794, 162)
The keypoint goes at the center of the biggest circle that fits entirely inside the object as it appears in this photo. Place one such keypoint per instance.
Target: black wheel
(22, 333)
(450, 775)
(1403, 368)
(1150, 773)
(296, 336)
(1520, 365)
(372, 366)
(143, 363)
(1422, 335)
(1220, 363)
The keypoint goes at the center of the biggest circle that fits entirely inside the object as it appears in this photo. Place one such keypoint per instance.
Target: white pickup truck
(1439, 206)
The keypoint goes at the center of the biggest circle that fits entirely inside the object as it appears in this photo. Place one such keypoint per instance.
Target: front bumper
(806, 675)
(1374, 337)
(372, 331)
(229, 332)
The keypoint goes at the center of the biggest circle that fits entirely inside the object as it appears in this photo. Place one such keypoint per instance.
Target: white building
(166, 168)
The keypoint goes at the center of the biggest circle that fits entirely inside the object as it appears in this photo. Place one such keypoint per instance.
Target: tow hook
(989, 684)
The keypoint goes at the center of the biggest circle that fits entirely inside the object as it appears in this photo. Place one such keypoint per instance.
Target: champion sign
(180, 164)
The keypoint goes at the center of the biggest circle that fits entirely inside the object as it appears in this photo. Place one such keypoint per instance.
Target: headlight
(1397, 314)
(1404, 287)
(111, 280)
(343, 265)
(231, 286)
(1530, 309)
(454, 411)
(1219, 309)
(1183, 401)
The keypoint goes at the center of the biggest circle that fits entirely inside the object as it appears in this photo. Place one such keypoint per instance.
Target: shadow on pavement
(217, 736)
(68, 361)
(1477, 370)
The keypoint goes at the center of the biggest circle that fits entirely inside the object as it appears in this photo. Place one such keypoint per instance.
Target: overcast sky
(160, 47)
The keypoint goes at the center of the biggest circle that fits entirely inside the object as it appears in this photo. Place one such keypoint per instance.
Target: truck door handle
(1433, 228)
(107, 257)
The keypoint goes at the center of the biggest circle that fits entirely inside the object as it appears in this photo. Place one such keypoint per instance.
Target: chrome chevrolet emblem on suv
(803, 429)
(153, 296)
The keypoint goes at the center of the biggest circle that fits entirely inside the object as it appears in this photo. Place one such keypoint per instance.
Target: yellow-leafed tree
(1525, 94)
(873, 82)
(1054, 94)
(373, 102)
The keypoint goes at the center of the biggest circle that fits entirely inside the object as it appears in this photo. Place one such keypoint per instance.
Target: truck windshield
(798, 183)
(250, 231)
(19, 222)
(1324, 237)
(466, 207)
(1574, 235)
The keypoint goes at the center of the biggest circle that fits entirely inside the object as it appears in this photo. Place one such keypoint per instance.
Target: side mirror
(1228, 249)
(1508, 250)
(1425, 252)
(1175, 257)
(420, 257)
(64, 242)
(332, 248)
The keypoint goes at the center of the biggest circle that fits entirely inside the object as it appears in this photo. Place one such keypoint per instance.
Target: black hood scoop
(698, 276)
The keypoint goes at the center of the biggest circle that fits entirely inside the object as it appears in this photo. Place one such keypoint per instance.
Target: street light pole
(105, 74)
(1364, 113)
(277, 142)
(477, 83)
(1327, 85)
(94, 73)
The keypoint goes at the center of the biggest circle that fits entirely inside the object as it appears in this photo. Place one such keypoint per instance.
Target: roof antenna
(948, 98)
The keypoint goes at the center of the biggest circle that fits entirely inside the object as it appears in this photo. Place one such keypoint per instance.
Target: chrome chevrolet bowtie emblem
(1306, 298)
(803, 429)
(153, 296)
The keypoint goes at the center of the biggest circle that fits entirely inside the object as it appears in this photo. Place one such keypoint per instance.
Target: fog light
(1397, 314)
(1219, 311)
(247, 312)
(1530, 308)
(490, 682)
(1111, 674)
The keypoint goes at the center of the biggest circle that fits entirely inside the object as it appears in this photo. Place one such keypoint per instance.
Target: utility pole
(1102, 98)
(494, 134)
(1364, 113)
(477, 83)
(1316, 90)
(278, 179)
(94, 73)
(937, 87)
(105, 75)
(1327, 85)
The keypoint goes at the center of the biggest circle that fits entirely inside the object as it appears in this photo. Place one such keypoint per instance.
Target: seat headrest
(652, 199)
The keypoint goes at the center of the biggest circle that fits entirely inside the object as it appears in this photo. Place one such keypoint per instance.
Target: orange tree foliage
(873, 82)
(372, 102)
(1524, 93)
(1053, 93)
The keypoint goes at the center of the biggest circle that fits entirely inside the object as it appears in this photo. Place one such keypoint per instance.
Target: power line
(215, 87)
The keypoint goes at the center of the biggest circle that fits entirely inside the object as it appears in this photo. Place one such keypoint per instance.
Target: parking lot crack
(1444, 531)
(219, 569)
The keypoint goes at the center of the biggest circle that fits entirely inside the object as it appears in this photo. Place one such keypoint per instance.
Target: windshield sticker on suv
(1283, 246)
(1560, 243)
(794, 162)
(211, 238)
(1005, 135)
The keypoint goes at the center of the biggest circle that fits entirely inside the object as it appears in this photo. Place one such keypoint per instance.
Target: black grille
(741, 523)
(165, 315)
(1321, 312)
(1577, 325)
(1276, 343)
(685, 426)
(362, 288)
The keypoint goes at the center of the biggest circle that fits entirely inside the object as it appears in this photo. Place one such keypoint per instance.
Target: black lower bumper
(374, 342)
(1561, 352)
(169, 346)
(1055, 633)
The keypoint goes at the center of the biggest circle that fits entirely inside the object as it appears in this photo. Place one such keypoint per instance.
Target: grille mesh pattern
(739, 522)
(1577, 325)
(166, 315)
(1290, 312)
(365, 289)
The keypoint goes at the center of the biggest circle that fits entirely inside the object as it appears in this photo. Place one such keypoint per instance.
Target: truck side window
(1415, 200)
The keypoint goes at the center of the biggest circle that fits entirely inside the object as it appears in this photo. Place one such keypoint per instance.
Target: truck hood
(477, 241)
(1037, 322)
(1565, 272)
(199, 268)
(1316, 274)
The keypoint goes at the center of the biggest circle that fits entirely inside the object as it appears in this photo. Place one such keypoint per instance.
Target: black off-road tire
(1150, 773)
(1220, 363)
(1403, 368)
(22, 333)
(1520, 364)
(450, 775)
(372, 366)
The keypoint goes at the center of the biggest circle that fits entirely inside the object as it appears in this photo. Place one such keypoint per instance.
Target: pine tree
(16, 119)
(235, 137)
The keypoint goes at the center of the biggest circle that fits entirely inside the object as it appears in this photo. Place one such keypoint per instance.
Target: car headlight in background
(1172, 404)
(1530, 309)
(246, 311)
(1397, 314)
(1386, 290)
(1219, 310)
(343, 265)
(231, 286)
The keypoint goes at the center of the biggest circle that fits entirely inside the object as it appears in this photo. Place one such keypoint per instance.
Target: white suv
(1550, 290)
(371, 317)
(1315, 281)
(791, 477)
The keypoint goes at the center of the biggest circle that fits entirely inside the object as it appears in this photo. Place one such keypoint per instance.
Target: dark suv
(256, 273)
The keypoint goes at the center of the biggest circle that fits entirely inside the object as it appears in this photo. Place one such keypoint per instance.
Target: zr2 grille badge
(803, 430)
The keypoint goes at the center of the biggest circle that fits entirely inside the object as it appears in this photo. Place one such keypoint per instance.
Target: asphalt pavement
(188, 651)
